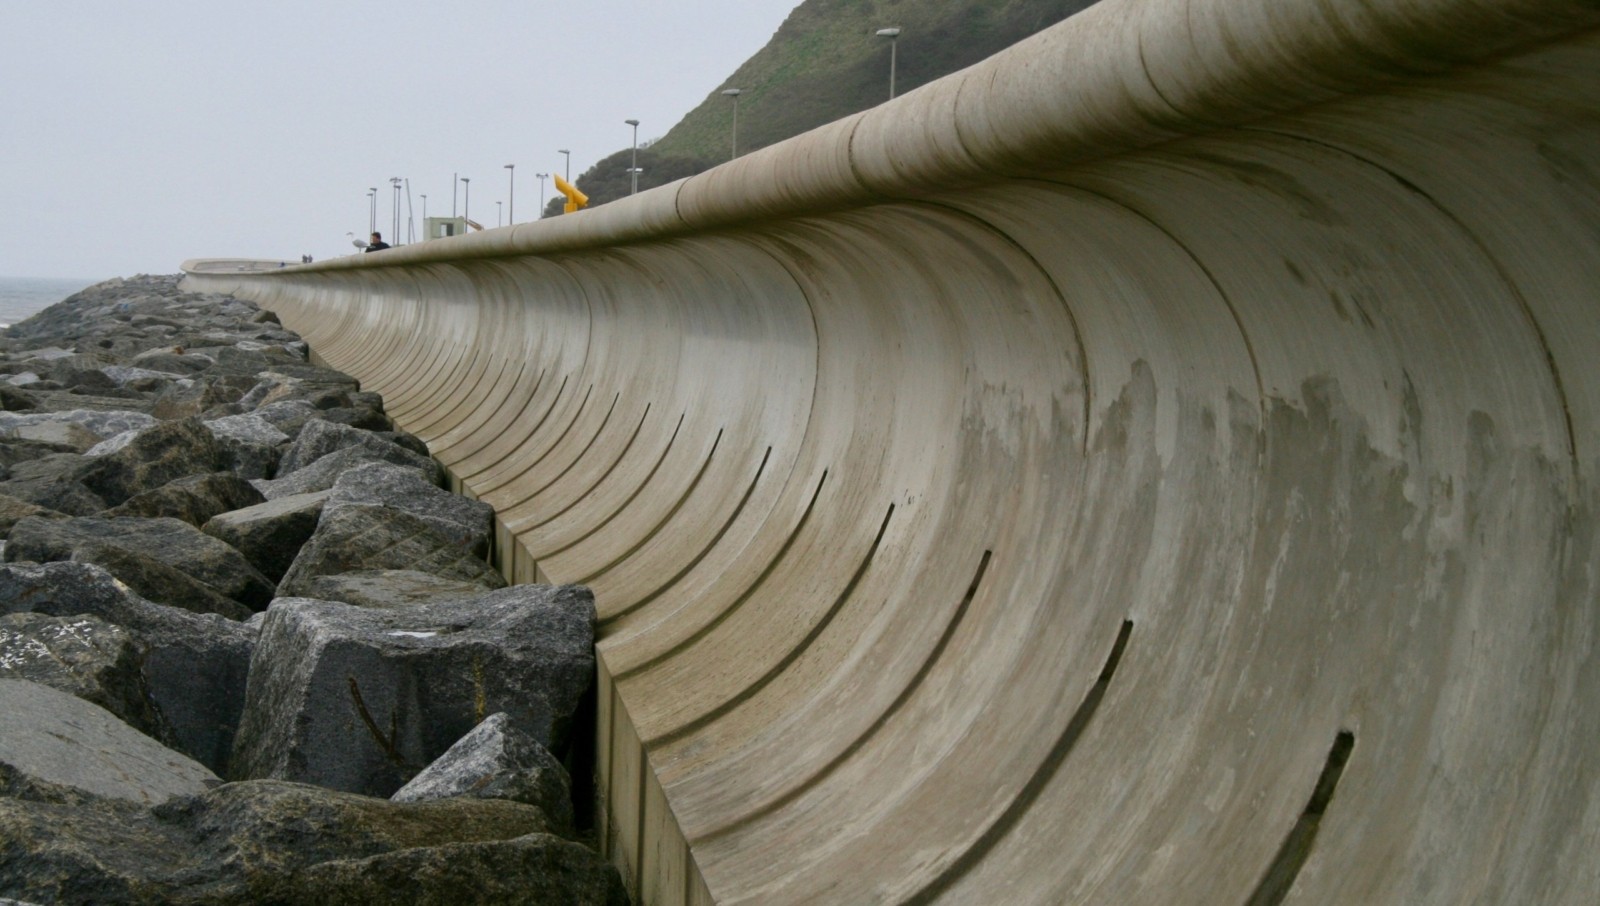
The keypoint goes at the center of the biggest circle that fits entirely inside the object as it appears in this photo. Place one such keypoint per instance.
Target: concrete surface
(1154, 465)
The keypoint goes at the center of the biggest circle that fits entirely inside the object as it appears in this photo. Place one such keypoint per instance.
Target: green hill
(825, 62)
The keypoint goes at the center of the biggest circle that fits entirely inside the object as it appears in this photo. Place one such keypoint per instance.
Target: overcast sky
(134, 135)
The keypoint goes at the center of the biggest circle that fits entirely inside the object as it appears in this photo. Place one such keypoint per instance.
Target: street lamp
(634, 169)
(568, 177)
(466, 198)
(372, 219)
(893, 34)
(395, 181)
(498, 210)
(734, 93)
(455, 186)
(424, 212)
(541, 177)
(511, 209)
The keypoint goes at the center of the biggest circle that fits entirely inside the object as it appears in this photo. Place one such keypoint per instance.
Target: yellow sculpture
(575, 199)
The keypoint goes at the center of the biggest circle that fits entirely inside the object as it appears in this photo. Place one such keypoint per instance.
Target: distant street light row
(893, 34)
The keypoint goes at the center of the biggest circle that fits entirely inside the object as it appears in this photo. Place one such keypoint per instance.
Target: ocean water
(24, 296)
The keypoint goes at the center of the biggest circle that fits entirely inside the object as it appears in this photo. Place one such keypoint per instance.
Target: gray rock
(13, 509)
(243, 844)
(322, 378)
(113, 443)
(468, 523)
(15, 400)
(361, 699)
(358, 417)
(80, 655)
(288, 416)
(51, 481)
(170, 359)
(247, 460)
(167, 542)
(158, 581)
(159, 454)
(321, 475)
(121, 375)
(248, 358)
(195, 666)
(536, 868)
(363, 537)
(87, 380)
(181, 401)
(13, 452)
(410, 441)
(78, 428)
(388, 588)
(47, 354)
(59, 739)
(497, 761)
(321, 438)
(50, 397)
(251, 428)
(194, 499)
(269, 534)
(270, 391)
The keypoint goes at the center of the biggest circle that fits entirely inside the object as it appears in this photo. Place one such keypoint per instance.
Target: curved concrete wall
(1156, 464)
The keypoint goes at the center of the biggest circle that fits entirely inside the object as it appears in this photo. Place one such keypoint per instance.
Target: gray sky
(134, 135)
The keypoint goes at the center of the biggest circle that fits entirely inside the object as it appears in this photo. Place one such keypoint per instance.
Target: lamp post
(893, 34)
(455, 184)
(372, 218)
(634, 168)
(541, 177)
(424, 212)
(511, 206)
(395, 181)
(466, 198)
(568, 154)
(734, 93)
(498, 210)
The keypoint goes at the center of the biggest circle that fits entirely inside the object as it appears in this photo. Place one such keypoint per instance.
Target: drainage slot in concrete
(1036, 784)
(597, 527)
(715, 540)
(1296, 847)
(581, 453)
(794, 654)
(576, 416)
(856, 744)
(728, 611)
(623, 454)
(500, 438)
(662, 523)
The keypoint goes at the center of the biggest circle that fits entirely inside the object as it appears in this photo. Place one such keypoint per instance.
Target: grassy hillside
(825, 62)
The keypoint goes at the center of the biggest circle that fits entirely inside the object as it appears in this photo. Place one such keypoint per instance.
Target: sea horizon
(23, 297)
